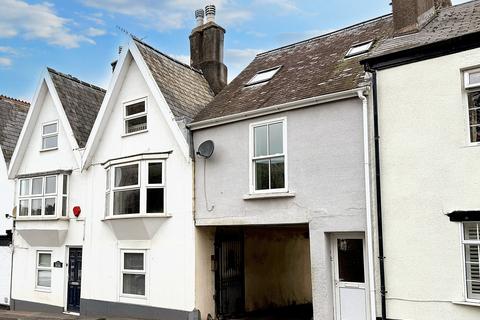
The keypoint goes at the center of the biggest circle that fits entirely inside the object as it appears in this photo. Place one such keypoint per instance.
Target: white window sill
(132, 296)
(49, 149)
(467, 303)
(136, 216)
(271, 195)
(133, 133)
(45, 290)
(41, 218)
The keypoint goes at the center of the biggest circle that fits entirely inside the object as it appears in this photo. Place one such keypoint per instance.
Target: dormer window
(50, 136)
(135, 116)
(263, 76)
(359, 49)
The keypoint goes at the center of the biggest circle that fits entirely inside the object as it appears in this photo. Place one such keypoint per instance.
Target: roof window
(263, 76)
(358, 49)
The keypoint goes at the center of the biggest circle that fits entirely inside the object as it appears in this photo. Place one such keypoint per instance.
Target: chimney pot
(199, 15)
(210, 12)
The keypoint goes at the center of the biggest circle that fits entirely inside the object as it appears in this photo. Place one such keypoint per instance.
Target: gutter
(381, 257)
(368, 202)
(352, 93)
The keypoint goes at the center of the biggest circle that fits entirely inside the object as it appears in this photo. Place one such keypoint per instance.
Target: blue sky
(81, 37)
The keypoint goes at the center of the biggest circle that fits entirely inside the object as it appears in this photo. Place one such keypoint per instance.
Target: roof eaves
(72, 78)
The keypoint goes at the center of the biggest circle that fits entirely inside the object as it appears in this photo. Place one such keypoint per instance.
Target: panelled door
(74, 279)
(349, 277)
(229, 273)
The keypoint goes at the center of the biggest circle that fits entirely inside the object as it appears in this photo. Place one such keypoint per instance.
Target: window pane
(137, 124)
(132, 261)
(49, 142)
(474, 116)
(155, 200)
(260, 137)
(51, 185)
(126, 202)
(350, 260)
(107, 180)
(37, 186)
(475, 134)
(134, 284)
(135, 108)
(44, 259)
(44, 278)
(261, 175)
(64, 206)
(50, 206)
(50, 128)
(277, 173)
(471, 231)
(155, 173)
(24, 187)
(126, 176)
(36, 207)
(472, 270)
(65, 184)
(474, 100)
(275, 135)
(474, 77)
(107, 204)
(23, 209)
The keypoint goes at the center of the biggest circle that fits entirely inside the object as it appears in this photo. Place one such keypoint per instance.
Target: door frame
(334, 259)
(66, 275)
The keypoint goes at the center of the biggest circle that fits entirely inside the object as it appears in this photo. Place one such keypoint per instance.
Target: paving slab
(24, 315)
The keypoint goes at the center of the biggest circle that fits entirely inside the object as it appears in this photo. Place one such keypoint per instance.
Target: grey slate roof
(12, 116)
(81, 102)
(309, 68)
(451, 22)
(184, 88)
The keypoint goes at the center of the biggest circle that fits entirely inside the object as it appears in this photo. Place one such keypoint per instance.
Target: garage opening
(263, 273)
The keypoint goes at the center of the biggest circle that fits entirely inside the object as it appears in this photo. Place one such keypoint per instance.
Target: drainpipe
(381, 257)
(11, 263)
(366, 154)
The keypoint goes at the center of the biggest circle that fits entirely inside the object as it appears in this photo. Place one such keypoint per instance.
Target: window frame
(38, 268)
(143, 185)
(252, 82)
(58, 195)
(123, 271)
(467, 89)
(134, 116)
(252, 158)
(349, 53)
(47, 135)
(465, 242)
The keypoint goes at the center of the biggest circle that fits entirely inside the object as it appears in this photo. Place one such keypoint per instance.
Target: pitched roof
(184, 88)
(451, 22)
(81, 102)
(12, 116)
(309, 68)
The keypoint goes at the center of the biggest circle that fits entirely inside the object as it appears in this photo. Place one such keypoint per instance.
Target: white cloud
(171, 14)
(5, 62)
(37, 21)
(95, 32)
(9, 50)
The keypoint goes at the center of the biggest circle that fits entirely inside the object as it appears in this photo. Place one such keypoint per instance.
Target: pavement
(23, 315)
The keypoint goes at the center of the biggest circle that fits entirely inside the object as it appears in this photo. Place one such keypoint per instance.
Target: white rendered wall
(428, 170)
(6, 197)
(35, 161)
(171, 252)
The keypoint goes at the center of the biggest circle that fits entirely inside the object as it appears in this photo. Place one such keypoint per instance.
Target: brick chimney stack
(206, 49)
(410, 16)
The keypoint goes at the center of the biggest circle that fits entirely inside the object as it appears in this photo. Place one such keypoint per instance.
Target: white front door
(349, 276)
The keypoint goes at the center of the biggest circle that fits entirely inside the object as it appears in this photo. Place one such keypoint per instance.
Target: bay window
(268, 156)
(133, 272)
(42, 197)
(471, 247)
(135, 188)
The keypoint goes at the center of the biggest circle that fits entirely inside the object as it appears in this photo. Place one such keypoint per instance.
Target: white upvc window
(472, 88)
(135, 116)
(471, 250)
(43, 273)
(358, 49)
(41, 197)
(133, 273)
(135, 188)
(268, 156)
(263, 76)
(50, 136)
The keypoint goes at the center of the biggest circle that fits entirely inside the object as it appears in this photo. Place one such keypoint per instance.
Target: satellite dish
(205, 150)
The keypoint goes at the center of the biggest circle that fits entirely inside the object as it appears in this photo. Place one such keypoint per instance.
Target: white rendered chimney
(210, 13)
(199, 15)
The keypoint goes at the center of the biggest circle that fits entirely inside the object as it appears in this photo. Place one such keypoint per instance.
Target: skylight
(357, 49)
(263, 76)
